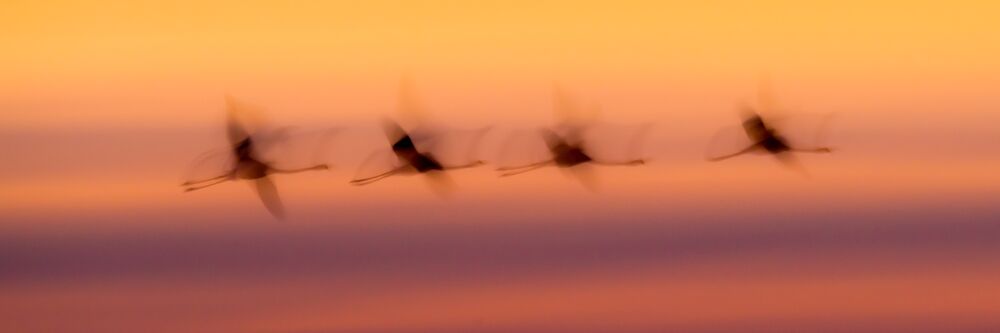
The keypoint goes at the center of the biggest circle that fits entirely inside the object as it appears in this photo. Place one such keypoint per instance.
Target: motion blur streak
(104, 104)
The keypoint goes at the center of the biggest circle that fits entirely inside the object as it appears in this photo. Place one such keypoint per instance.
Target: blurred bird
(769, 137)
(244, 161)
(566, 144)
(413, 153)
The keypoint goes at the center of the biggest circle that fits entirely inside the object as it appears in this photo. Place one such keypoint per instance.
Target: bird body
(407, 153)
(571, 156)
(566, 155)
(251, 169)
(763, 136)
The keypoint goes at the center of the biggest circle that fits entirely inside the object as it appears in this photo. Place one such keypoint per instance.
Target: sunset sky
(103, 106)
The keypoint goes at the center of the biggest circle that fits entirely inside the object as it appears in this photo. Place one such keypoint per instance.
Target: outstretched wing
(804, 131)
(291, 148)
(569, 111)
(211, 164)
(585, 175)
(378, 162)
(409, 108)
(453, 147)
(573, 119)
(245, 121)
(613, 143)
(268, 194)
(522, 147)
(236, 130)
(440, 183)
(728, 142)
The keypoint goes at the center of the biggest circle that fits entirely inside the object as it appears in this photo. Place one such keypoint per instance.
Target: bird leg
(463, 166)
(375, 178)
(814, 150)
(315, 167)
(741, 152)
(195, 182)
(632, 162)
(219, 181)
(524, 168)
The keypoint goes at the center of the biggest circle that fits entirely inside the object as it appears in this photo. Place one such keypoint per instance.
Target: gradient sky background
(103, 105)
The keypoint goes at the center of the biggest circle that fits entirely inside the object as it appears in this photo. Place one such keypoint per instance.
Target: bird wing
(728, 142)
(236, 131)
(378, 162)
(268, 194)
(520, 148)
(804, 131)
(454, 146)
(209, 165)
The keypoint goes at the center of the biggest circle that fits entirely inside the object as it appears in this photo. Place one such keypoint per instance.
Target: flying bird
(244, 161)
(772, 136)
(415, 152)
(567, 145)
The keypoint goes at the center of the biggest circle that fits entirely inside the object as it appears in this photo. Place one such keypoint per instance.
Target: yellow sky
(147, 36)
(115, 57)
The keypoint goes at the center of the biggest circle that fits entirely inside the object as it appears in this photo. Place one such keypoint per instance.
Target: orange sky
(167, 63)
(104, 104)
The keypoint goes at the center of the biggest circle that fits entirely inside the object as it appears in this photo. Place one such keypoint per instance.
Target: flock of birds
(413, 152)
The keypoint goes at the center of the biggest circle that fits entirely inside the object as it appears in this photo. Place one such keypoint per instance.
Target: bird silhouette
(566, 143)
(244, 161)
(413, 154)
(763, 136)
